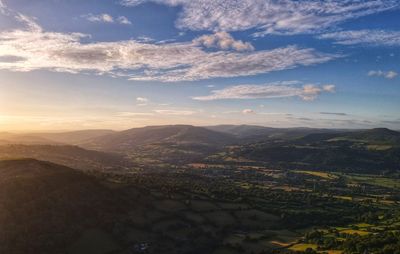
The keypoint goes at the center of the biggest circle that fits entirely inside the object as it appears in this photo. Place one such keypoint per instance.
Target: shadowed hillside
(72, 137)
(45, 206)
(369, 151)
(71, 156)
(254, 133)
(180, 134)
(172, 143)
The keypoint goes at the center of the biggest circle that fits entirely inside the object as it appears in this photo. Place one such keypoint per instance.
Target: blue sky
(128, 63)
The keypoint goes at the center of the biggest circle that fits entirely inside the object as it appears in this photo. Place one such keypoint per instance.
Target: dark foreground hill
(44, 206)
(47, 208)
(51, 209)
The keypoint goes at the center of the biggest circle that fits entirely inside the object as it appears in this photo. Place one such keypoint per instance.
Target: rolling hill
(176, 134)
(71, 138)
(344, 150)
(28, 139)
(366, 151)
(254, 133)
(175, 144)
(71, 156)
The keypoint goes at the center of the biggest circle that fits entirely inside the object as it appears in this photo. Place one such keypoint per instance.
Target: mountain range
(359, 150)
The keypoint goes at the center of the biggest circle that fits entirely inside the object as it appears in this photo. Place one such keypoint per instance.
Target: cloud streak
(2, 6)
(333, 113)
(384, 74)
(142, 99)
(307, 92)
(269, 16)
(185, 61)
(248, 111)
(175, 112)
(107, 18)
(364, 37)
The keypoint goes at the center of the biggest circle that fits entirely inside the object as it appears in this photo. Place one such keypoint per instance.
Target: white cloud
(29, 23)
(224, 41)
(132, 2)
(391, 74)
(385, 74)
(107, 18)
(269, 16)
(248, 111)
(329, 88)
(101, 18)
(64, 52)
(306, 92)
(365, 37)
(2, 7)
(145, 39)
(175, 112)
(274, 114)
(142, 99)
(124, 20)
(333, 113)
(128, 114)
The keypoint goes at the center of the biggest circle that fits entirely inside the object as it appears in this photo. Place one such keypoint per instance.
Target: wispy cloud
(306, 92)
(397, 122)
(124, 20)
(64, 52)
(384, 74)
(2, 7)
(145, 39)
(107, 18)
(128, 114)
(248, 111)
(274, 114)
(10, 59)
(103, 18)
(364, 37)
(142, 101)
(333, 113)
(175, 112)
(269, 16)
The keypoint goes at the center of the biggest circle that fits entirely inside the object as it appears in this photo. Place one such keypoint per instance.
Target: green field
(373, 180)
(325, 175)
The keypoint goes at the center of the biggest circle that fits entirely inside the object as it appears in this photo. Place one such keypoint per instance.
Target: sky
(119, 64)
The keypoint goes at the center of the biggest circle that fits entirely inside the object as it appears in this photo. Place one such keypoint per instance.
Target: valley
(185, 189)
